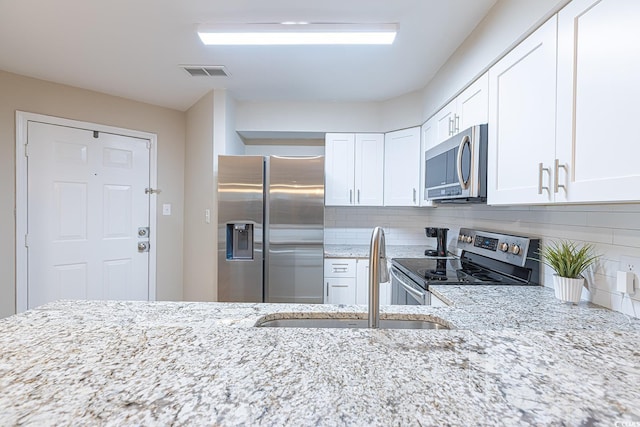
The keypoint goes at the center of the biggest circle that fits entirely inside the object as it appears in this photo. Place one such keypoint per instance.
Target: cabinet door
(339, 267)
(369, 169)
(362, 285)
(598, 93)
(340, 290)
(472, 106)
(402, 167)
(445, 120)
(430, 134)
(339, 173)
(522, 100)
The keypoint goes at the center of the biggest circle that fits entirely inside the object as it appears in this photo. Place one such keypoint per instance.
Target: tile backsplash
(613, 229)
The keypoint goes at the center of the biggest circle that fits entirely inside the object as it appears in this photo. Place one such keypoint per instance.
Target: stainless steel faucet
(378, 272)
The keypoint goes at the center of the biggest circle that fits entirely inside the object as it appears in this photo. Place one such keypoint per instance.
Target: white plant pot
(568, 289)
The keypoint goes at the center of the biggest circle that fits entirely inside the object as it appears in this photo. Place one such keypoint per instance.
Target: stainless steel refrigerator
(270, 229)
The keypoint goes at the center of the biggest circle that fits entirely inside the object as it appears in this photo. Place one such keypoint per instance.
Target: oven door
(405, 291)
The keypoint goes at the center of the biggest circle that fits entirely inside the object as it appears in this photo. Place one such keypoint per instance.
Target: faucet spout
(378, 272)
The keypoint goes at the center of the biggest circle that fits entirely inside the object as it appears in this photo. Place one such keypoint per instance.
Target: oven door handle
(418, 295)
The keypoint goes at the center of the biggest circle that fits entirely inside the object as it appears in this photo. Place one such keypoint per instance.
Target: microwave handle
(465, 140)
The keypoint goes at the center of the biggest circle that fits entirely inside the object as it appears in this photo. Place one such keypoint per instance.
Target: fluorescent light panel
(297, 34)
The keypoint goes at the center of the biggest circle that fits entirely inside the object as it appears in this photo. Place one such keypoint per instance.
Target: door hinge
(26, 149)
(26, 240)
(148, 144)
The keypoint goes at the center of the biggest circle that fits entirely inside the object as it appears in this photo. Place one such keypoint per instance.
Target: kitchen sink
(350, 323)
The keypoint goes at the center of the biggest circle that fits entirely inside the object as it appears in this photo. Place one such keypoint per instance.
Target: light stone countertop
(362, 251)
(517, 356)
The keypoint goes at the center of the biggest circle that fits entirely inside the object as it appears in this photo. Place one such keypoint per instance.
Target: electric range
(487, 258)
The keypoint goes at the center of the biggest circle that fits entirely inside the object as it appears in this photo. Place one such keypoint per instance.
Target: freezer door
(294, 240)
(240, 228)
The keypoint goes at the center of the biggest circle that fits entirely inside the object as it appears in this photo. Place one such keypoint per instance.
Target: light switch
(166, 209)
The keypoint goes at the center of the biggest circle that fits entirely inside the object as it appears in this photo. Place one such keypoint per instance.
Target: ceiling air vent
(206, 70)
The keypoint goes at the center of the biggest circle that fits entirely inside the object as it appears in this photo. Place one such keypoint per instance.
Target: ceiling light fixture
(296, 33)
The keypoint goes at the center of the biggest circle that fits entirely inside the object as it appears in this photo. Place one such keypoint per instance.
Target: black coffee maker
(441, 237)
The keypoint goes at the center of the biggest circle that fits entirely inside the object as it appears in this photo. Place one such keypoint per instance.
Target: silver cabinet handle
(450, 126)
(358, 196)
(456, 126)
(541, 169)
(350, 197)
(556, 184)
(414, 195)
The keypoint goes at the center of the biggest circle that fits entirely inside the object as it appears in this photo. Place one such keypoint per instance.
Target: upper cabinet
(353, 169)
(402, 167)
(598, 71)
(549, 145)
(522, 99)
(467, 109)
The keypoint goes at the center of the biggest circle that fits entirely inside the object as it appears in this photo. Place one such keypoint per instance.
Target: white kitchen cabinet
(340, 290)
(353, 169)
(472, 105)
(597, 151)
(558, 130)
(347, 282)
(469, 108)
(522, 100)
(402, 167)
(340, 280)
(362, 285)
(429, 134)
(446, 121)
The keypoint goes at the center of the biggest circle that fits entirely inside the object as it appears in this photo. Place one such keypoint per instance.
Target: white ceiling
(133, 48)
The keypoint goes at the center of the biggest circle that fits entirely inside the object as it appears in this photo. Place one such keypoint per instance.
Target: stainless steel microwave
(456, 169)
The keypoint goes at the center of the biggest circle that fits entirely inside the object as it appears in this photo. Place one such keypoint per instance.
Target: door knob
(143, 246)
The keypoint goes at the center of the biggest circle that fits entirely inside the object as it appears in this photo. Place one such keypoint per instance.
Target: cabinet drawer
(339, 267)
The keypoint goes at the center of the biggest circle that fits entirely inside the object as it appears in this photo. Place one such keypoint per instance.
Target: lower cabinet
(347, 282)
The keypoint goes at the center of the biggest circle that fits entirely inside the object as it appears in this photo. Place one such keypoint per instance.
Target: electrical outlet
(629, 263)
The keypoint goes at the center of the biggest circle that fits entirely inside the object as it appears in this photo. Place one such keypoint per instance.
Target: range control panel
(503, 247)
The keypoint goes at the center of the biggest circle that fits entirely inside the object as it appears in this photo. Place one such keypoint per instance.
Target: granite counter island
(514, 356)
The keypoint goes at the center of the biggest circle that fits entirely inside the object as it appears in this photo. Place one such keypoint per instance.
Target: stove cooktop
(456, 271)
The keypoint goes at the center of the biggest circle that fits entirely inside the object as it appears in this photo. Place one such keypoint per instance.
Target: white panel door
(402, 167)
(522, 113)
(369, 168)
(339, 172)
(86, 201)
(598, 93)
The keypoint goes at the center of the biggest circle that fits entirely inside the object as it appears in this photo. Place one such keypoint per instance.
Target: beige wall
(37, 96)
(199, 237)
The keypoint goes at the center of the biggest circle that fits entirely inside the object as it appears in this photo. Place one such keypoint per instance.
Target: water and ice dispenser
(239, 241)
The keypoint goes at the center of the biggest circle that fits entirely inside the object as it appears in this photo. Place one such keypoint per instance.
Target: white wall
(309, 117)
(285, 150)
(199, 236)
(613, 229)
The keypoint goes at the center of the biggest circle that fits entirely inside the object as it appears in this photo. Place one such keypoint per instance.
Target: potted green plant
(569, 261)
